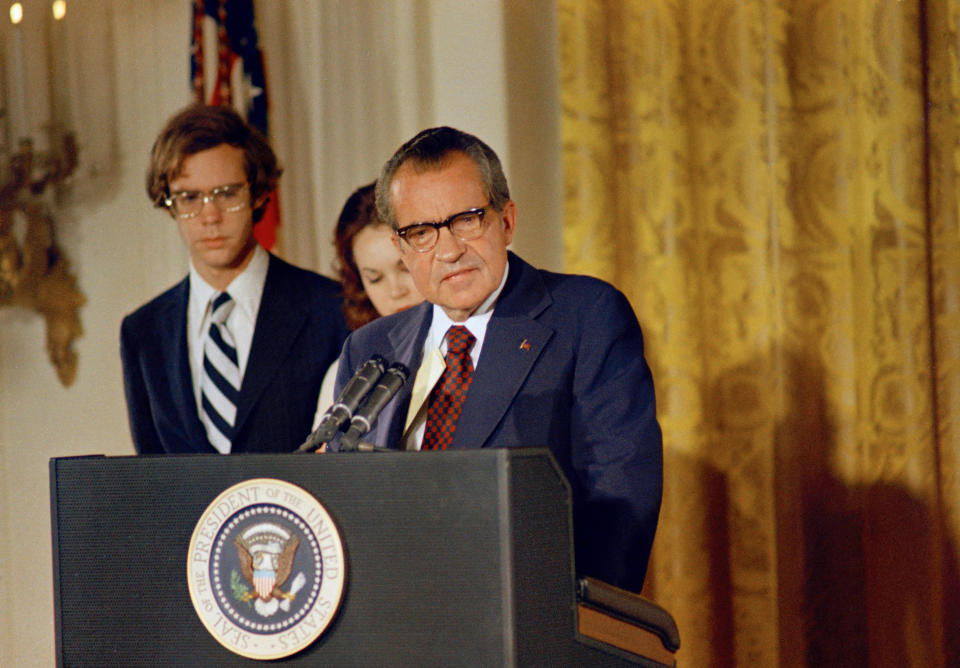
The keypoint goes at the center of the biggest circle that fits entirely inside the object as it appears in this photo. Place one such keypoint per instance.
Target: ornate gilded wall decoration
(34, 272)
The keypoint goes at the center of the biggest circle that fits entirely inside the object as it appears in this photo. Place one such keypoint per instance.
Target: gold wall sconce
(38, 156)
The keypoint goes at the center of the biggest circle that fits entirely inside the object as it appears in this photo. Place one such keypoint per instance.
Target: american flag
(234, 77)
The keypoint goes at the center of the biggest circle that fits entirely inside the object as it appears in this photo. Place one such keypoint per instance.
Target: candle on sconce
(18, 110)
(58, 59)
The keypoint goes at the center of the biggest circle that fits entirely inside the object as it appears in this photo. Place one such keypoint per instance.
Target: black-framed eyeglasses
(466, 226)
(189, 203)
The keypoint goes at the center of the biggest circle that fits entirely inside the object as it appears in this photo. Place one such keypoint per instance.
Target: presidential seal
(265, 569)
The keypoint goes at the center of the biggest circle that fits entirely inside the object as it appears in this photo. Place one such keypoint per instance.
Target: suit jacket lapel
(512, 344)
(181, 380)
(406, 341)
(278, 325)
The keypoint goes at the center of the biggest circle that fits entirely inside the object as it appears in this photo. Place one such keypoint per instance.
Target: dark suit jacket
(562, 366)
(299, 332)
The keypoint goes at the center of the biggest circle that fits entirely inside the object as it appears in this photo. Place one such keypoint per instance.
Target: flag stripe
(234, 76)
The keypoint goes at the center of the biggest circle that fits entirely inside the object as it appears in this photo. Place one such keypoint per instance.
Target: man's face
(456, 275)
(220, 243)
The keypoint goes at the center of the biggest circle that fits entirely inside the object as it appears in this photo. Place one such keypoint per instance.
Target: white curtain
(350, 81)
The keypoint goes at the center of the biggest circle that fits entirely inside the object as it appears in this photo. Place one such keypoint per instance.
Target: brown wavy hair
(200, 127)
(359, 211)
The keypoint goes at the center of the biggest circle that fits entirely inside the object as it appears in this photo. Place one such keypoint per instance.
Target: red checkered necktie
(446, 398)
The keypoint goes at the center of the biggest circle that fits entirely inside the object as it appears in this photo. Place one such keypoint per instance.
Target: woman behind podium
(374, 280)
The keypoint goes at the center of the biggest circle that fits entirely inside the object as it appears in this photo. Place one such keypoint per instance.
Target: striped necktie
(446, 399)
(220, 379)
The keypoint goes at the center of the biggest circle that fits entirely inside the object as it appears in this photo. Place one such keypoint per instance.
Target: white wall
(122, 252)
(349, 82)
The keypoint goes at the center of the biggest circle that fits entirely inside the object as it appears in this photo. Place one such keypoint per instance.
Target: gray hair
(430, 149)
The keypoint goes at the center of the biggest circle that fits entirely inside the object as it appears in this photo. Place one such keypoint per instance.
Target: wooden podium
(452, 558)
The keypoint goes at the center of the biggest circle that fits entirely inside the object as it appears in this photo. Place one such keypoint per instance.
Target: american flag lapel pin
(524, 345)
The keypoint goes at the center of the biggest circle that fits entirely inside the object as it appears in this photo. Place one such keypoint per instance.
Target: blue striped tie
(220, 379)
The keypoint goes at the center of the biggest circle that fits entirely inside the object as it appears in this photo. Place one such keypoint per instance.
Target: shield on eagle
(266, 553)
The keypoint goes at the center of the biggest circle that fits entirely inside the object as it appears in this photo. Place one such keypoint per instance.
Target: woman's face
(384, 276)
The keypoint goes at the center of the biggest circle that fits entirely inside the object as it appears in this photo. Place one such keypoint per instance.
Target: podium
(451, 558)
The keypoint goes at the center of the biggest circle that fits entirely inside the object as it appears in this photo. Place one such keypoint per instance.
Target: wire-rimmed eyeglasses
(189, 203)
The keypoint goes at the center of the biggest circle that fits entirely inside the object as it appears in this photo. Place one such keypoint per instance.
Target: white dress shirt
(246, 290)
(434, 349)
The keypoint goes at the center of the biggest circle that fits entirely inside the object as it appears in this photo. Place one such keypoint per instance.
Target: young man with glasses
(231, 358)
(507, 355)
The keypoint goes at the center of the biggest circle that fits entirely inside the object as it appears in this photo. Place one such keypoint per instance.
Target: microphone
(342, 409)
(389, 384)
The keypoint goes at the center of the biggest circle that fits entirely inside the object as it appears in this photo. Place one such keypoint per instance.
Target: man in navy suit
(555, 360)
(231, 358)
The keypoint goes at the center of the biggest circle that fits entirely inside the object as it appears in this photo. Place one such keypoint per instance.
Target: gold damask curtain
(773, 184)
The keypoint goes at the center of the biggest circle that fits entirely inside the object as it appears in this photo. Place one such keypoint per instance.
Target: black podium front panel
(453, 558)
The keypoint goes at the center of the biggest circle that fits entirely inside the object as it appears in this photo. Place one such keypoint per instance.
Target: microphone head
(340, 413)
(378, 360)
(399, 369)
(361, 383)
(364, 417)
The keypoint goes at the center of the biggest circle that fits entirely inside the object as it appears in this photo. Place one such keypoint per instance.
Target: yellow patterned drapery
(774, 184)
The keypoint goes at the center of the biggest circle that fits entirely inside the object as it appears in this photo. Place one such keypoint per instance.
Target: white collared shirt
(246, 290)
(434, 349)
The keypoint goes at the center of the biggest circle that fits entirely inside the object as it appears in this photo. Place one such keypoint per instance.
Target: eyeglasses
(189, 203)
(465, 226)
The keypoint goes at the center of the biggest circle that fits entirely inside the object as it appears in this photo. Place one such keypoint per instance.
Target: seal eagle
(266, 555)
